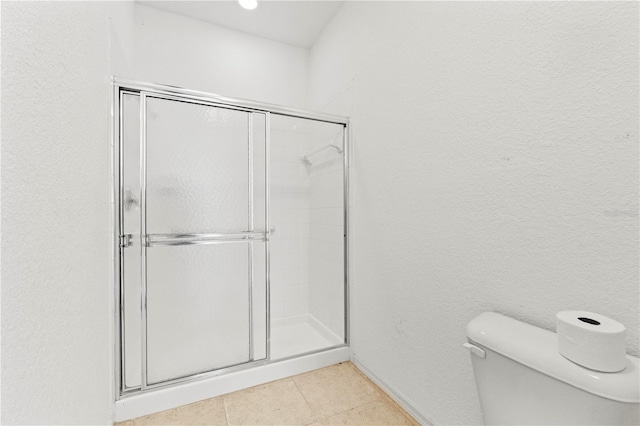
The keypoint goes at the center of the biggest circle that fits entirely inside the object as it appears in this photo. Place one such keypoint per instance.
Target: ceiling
(293, 22)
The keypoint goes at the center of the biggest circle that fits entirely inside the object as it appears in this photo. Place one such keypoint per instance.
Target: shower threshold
(162, 399)
(300, 334)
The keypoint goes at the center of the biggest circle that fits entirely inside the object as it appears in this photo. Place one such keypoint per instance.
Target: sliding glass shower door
(193, 221)
(232, 226)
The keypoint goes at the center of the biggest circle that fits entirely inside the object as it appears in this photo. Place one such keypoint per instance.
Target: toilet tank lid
(538, 349)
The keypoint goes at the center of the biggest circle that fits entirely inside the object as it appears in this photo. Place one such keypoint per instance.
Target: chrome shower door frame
(143, 89)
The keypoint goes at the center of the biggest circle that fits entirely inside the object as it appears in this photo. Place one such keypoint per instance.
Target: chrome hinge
(126, 240)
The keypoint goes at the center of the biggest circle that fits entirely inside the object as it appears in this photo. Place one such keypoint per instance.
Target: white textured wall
(495, 167)
(56, 288)
(175, 50)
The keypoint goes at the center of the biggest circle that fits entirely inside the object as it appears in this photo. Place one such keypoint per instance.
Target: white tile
(276, 280)
(324, 199)
(332, 271)
(290, 154)
(276, 171)
(303, 246)
(327, 181)
(288, 215)
(335, 290)
(281, 262)
(277, 134)
(328, 216)
(302, 274)
(303, 202)
(277, 304)
(286, 231)
(276, 152)
(291, 139)
(281, 247)
(296, 302)
(290, 169)
(283, 278)
(333, 252)
(304, 296)
(304, 230)
(336, 324)
(304, 145)
(304, 216)
(289, 201)
(329, 233)
(300, 185)
(275, 210)
(280, 185)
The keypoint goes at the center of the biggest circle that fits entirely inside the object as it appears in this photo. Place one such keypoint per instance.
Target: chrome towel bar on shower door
(193, 239)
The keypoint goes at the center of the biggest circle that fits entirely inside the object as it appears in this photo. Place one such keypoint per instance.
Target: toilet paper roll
(591, 340)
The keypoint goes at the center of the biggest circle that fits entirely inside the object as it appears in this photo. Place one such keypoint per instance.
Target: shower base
(189, 392)
(291, 339)
(300, 334)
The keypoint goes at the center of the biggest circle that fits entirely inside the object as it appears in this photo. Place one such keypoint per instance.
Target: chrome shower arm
(305, 158)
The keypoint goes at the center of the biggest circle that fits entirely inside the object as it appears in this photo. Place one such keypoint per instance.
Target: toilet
(522, 379)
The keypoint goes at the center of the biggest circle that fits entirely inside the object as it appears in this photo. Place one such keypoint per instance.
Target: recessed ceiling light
(248, 4)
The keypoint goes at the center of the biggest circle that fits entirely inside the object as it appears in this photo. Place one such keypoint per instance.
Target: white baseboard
(397, 396)
(197, 390)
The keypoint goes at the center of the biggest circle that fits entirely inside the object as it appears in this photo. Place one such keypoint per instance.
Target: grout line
(351, 408)
(224, 404)
(304, 397)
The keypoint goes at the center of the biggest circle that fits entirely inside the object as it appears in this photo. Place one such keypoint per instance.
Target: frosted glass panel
(197, 309)
(197, 168)
(131, 225)
(259, 146)
(259, 301)
(206, 304)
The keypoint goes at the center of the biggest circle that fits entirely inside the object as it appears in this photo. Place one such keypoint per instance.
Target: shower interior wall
(306, 208)
(290, 213)
(326, 244)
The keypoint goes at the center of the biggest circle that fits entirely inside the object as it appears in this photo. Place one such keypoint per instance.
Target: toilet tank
(522, 379)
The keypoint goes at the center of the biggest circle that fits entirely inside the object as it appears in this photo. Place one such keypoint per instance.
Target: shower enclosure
(231, 234)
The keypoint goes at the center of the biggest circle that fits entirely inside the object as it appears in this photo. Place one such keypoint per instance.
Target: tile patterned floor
(335, 395)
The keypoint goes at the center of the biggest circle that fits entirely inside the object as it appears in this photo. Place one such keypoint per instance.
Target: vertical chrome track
(143, 236)
(267, 225)
(346, 172)
(120, 231)
(250, 225)
(116, 168)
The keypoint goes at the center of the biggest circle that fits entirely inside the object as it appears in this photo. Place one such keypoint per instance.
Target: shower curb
(189, 392)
